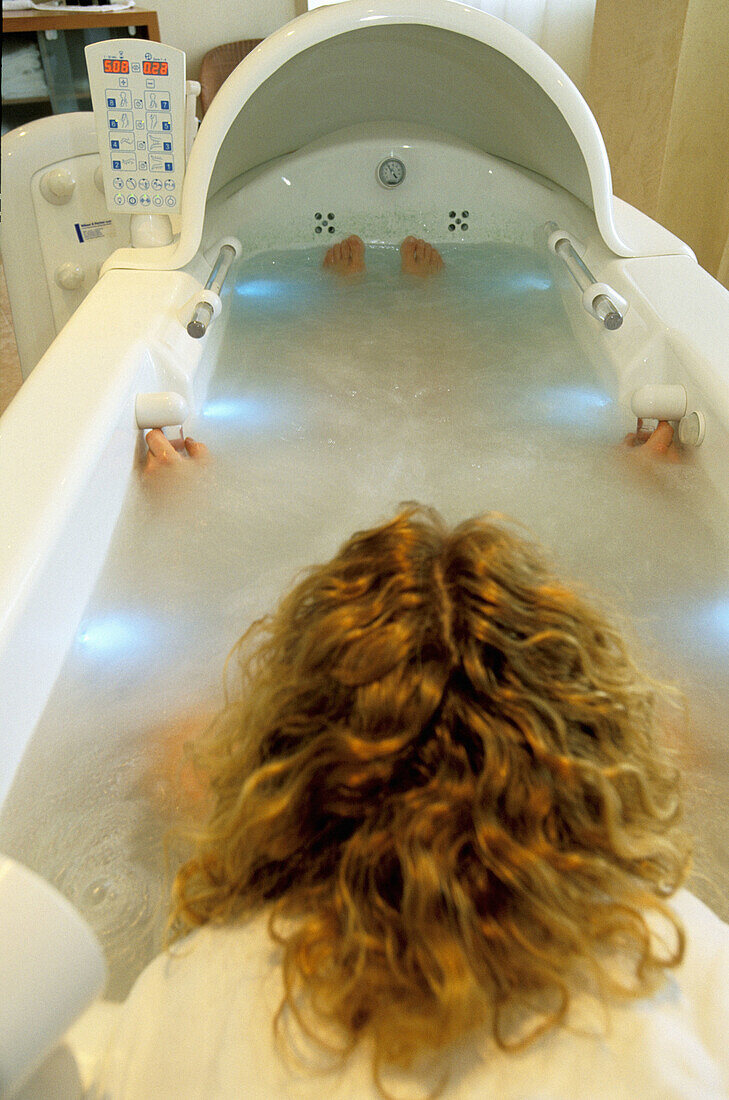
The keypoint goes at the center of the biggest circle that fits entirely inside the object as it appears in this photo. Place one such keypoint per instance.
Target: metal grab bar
(602, 305)
(203, 313)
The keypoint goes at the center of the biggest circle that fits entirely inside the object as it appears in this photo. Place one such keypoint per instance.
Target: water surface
(334, 401)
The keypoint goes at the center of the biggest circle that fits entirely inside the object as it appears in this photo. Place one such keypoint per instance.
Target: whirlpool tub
(505, 383)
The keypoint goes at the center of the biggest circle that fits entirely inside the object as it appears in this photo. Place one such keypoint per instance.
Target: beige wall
(659, 88)
(197, 26)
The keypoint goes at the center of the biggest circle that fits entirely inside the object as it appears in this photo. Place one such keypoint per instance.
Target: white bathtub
(500, 132)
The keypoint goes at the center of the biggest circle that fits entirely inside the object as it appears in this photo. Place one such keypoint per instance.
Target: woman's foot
(419, 257)
(347, 257)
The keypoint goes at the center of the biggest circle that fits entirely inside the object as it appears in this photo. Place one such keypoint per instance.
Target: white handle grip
(659, 402)
(160, 410)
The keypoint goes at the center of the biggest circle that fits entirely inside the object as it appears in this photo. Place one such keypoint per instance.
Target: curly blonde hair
(442, 763)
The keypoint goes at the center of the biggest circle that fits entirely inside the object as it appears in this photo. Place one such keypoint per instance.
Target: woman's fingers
(196, 450)
(166, 452)
(661, 439)
(161, 451)
(657, 444)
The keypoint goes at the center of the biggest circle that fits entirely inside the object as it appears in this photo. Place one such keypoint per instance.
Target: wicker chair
(218, 64)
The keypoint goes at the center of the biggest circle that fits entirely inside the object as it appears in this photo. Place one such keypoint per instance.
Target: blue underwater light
(700, 626)
(530, 280)
(568, 406)
(275, 296)
(714, 622)
(282, 293)
(114, 636)
(505, 282)
(260, 288)
(243, 410)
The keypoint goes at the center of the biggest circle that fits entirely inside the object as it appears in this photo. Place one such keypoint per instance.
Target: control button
(158, 200)
(138, 104)
(157, 184)
(119, 200)
(169, 185)
(132, 200)
(119, 99)
(131, 183)
(124, 162)
(57, 186)
(119, 120)
(69, 276)
(123, 82)
(117, 183)
(144, 200)
(144, 184)
(170, 200)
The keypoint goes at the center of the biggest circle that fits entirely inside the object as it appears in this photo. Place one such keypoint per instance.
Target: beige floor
(10, 376)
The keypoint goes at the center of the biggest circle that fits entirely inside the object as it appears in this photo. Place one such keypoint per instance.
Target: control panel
(138, 97)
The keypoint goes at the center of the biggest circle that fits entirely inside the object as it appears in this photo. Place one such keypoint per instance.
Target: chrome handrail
(602, 306)
(203, 313)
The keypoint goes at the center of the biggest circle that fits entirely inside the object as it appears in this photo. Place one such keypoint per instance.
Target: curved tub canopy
(429, 62)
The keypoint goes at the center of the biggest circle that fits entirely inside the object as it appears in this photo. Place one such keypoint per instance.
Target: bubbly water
(333, 401)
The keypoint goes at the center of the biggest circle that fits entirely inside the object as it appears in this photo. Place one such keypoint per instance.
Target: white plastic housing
(496, 91)
(37, 236)
(659, 402)
(597, 290)
(51, 969)
(160, 410)
(150, 230)
(138, 95)
(692, 429)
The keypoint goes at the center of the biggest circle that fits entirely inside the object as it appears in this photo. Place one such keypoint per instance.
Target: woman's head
(443, 762)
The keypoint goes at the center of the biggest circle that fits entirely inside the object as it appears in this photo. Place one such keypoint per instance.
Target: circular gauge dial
(391, 172)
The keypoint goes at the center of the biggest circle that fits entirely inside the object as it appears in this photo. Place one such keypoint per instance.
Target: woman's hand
(168, 452)
(657, 444)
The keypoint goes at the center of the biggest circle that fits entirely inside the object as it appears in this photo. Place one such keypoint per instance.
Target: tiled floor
(10, 376)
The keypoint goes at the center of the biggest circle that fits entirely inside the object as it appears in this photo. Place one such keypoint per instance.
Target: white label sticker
(91, 231)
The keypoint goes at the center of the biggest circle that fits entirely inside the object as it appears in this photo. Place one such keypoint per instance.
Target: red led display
(154, 68)
(114, 65)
